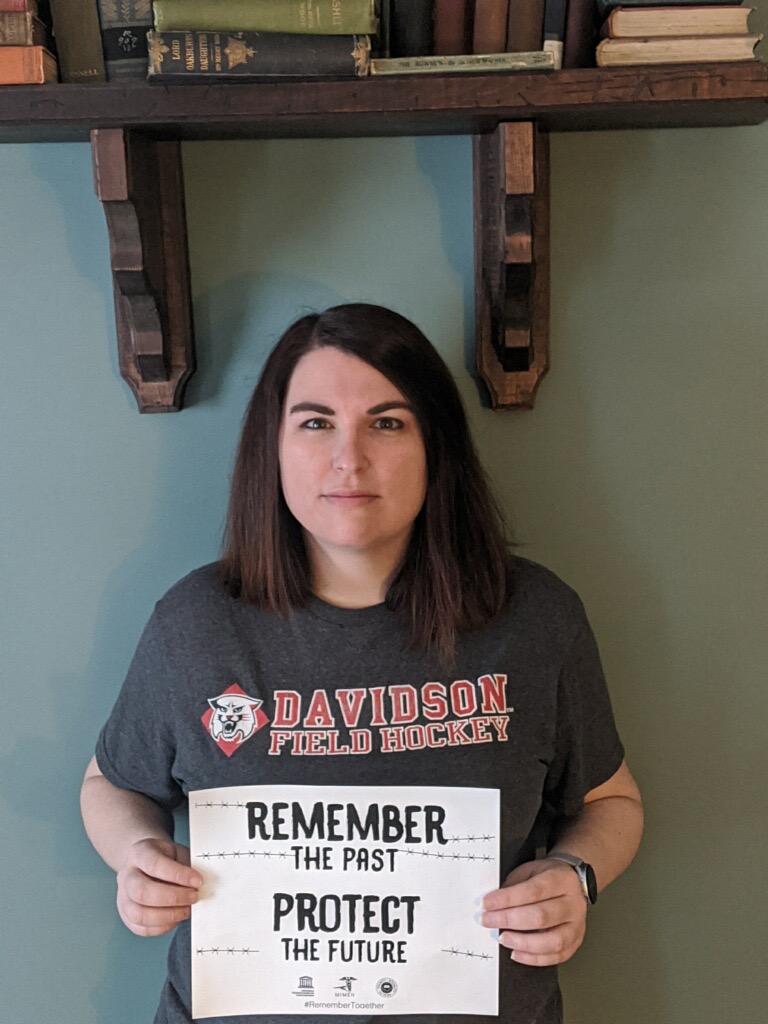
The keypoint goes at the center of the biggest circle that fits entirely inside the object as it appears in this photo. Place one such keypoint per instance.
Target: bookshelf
(135, 131)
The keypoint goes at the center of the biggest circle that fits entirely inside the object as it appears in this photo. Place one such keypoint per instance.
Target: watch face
(591, 883)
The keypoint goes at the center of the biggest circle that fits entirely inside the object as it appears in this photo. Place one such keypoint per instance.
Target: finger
(161, 863)
(532, 916)
(148, 892)
(541, 960)
(149, 921)
(561, 941)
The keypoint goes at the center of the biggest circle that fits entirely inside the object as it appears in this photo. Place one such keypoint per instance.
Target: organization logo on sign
(306, 986)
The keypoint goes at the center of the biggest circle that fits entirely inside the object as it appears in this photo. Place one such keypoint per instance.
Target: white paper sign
(332, 899)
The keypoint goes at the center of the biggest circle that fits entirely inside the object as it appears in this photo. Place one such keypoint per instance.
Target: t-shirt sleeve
(136, 748)
(588, 750)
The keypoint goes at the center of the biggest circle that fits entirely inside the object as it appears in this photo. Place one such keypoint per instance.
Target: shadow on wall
(549, 471)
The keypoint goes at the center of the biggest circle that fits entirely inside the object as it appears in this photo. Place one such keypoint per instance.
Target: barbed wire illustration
(225, 951)
(288, 855)
(474, 956)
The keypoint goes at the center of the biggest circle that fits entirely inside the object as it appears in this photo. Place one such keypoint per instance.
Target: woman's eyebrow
(376, 410)
(311, 407)
(325, 410)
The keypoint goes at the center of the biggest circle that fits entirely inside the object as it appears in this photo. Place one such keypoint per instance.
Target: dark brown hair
(456, 573)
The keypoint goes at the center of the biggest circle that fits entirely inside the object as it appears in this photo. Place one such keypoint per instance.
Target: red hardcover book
(525, 26)
(26, 65)
(18, 5)
(580, 34)
(489, 32)
(451, 27)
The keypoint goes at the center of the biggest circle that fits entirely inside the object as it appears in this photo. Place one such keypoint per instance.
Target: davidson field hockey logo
(232, 718)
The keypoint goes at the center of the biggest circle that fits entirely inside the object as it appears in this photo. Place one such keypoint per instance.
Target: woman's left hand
(540, 912)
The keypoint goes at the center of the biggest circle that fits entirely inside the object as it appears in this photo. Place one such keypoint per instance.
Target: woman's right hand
(156, 887)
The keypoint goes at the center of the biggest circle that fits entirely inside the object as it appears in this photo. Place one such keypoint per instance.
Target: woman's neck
(352, 580)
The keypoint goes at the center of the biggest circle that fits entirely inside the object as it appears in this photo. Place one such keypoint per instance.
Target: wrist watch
(583, 870)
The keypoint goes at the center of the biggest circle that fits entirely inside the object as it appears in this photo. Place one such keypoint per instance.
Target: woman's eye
(316, 423)
(388, 423)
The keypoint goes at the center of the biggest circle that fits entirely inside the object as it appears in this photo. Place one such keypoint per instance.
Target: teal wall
(641, 477)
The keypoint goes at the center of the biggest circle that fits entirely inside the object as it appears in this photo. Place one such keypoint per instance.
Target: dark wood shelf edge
(584, 99)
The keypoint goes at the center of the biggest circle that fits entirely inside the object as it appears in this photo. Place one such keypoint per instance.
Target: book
(467, 63)
(604, 7)
(489, 27)
(380, 41)
(78, 41)
(677, 21)
(676, 50)
(124, 27)
(21, 28)
(450, 27)
(24, 6)
(410, 32)
(580, 34)
(27, 65)
(525, 26)
(554, 29)
(315, 17)
(187, 57)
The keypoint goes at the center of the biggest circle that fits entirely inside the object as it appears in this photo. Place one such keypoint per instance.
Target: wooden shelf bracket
(139, 180)
(511, 206)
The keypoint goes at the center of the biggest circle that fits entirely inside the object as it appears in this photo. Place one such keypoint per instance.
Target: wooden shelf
(135, 131)
(586, 99)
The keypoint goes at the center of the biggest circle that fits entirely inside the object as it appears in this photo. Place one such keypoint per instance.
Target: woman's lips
(350, 499)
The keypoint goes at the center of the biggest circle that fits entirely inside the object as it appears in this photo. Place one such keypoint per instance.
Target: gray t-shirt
(344, 701)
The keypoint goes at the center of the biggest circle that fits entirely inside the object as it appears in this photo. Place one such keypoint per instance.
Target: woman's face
(352, 460)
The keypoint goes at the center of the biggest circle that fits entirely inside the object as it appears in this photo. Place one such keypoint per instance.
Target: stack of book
(636, 32)
(235, 40)
(25, 54)
(451, 36)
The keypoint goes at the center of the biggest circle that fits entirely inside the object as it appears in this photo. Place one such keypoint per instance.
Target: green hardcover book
(77, 33)
(313, 17)
(21, 28)
(480, 63)
(189, 57)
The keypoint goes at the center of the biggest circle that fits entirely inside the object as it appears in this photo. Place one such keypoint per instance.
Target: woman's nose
(349, 454)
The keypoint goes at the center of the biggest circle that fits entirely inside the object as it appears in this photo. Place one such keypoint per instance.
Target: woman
(363, 549)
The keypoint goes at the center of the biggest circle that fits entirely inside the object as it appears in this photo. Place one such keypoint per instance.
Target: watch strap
(582, 869)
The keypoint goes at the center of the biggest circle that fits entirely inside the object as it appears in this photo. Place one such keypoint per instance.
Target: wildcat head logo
(232, 718)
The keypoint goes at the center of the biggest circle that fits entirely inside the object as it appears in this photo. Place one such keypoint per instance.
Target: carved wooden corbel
(139, 180)
(511, 195)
